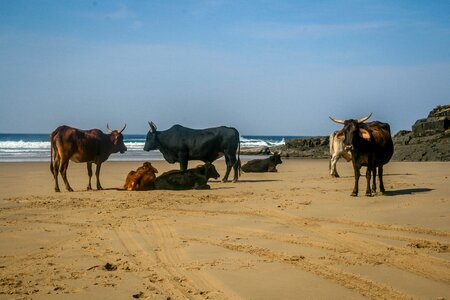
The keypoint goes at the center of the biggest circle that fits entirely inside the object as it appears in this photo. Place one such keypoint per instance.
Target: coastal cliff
(429, 140)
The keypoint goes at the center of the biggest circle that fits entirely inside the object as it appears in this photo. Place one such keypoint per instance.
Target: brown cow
(371, 145)
(89, 146)
(141, 179)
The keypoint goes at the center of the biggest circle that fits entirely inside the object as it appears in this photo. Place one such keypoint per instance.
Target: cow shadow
(246, 181)
(363, 174)
(398, 174)
(407, 191)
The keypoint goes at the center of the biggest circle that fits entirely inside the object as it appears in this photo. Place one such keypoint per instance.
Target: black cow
(181, 144)
(263, 165)
(195, 178)
(90, 146)
(371, 145)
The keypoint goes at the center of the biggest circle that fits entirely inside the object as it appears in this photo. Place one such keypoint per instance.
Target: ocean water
(36, 147)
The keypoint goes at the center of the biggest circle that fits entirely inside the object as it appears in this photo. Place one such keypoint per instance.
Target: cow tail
(239, 159)
(52, 145)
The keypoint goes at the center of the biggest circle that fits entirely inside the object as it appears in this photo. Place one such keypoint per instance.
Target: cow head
(149, 168)
(210, 171)
(150, 142)
(276, 158)
(352, 128)
(117, 139)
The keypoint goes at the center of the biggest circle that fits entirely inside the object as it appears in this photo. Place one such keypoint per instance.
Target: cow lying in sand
(263, 165)
(141, 179)
(195, 178)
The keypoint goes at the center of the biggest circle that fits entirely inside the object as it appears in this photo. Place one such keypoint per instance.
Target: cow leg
(63, 169)
(380, 175)
(236, 167)
(357, 175)
(97, 174)
(374, 181)
(201, 187)
(56, 163)
(89, 169)
(183, 158)
(368, 175)
(229, 164)
(333, 161)
(183, 165)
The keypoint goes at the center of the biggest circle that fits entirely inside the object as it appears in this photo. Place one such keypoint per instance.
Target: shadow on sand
(255, 180)
(407, 191)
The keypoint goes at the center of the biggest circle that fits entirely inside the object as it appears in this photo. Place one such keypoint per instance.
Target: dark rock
(264, 150)
(313, 147)
(429, 139)
(109, 267)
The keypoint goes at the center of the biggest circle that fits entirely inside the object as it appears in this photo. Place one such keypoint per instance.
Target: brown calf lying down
(141, 179)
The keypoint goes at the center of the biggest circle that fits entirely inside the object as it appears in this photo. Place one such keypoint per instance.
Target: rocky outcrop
(429, 139)
(314, 147)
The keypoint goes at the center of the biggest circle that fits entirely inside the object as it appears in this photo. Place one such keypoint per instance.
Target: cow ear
(364, 134)
(340, 135)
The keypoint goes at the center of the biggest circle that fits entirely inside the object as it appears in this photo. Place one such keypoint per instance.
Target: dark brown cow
(141, 179)
(195, 178)
(371, 145)
(263, 165)
(90, 146)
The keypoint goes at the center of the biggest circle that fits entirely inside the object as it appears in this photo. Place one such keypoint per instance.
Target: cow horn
(364, 119)
(152, 127)
(123, 128)
(109, 129)
(337, 120)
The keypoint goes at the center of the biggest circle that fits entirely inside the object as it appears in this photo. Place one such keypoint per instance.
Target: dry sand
(295, 234)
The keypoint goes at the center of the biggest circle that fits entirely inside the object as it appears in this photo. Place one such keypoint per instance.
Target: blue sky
(264, 67)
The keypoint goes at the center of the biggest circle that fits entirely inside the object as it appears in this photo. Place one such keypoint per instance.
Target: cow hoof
(354, 194)
(224, 180)
(369, 195)
(57, 190)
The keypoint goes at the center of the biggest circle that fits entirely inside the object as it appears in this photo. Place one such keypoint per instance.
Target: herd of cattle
(365, 144)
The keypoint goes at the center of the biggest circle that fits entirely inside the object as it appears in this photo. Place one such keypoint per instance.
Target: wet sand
(295, 234)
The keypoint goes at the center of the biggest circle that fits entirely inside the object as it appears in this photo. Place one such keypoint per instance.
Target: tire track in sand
(155, 249)
(358, 283)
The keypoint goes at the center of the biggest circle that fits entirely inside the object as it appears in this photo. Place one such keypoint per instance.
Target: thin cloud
(288, 31)
(121, 13)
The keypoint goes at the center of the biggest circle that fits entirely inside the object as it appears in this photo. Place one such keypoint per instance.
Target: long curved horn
(109, 129)
(364, 119)
(152, 127)
(123, 128)
(337, 120)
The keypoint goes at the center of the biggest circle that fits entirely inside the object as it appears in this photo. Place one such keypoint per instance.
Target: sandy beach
(295, 234)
